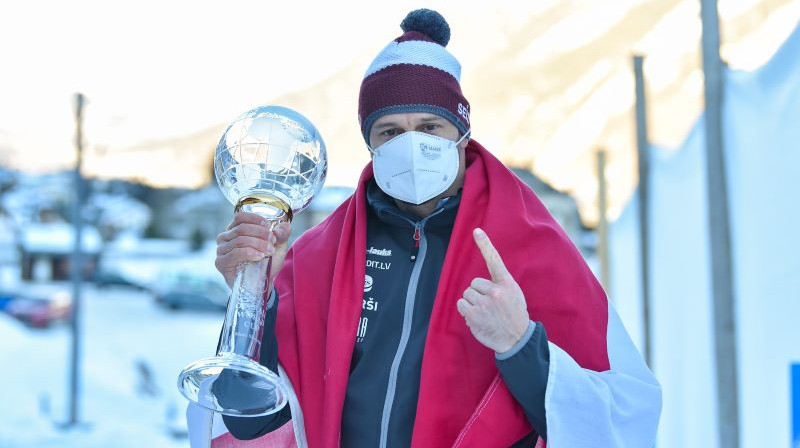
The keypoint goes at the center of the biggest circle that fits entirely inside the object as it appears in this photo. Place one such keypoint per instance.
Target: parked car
(187, 290)
(5, 298)
(39, 311)
(104, 279)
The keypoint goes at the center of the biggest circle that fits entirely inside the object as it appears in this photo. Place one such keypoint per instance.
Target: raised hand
(494, 309)
(248, 238)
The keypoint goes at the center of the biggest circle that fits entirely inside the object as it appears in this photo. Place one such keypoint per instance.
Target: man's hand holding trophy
(271, 161)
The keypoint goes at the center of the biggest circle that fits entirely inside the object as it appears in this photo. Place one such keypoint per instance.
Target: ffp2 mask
(415, 167)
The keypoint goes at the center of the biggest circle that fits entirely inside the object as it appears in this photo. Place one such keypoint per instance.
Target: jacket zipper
(420, 248)
(417, 237)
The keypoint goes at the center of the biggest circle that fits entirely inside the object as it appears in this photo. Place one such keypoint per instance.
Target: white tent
(761, 133)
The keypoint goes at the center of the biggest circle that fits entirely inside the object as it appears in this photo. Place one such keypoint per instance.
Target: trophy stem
(234, 382)
(247, 308)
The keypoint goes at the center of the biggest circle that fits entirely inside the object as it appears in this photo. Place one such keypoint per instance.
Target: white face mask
(416, 167)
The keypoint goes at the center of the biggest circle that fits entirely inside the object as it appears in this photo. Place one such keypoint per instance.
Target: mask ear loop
(466, 135)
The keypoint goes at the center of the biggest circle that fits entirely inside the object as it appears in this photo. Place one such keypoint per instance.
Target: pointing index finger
(497, 268)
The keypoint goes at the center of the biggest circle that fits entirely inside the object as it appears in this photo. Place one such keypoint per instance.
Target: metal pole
(602, 223)
(76, 267)
(719, 233)
(642, 146)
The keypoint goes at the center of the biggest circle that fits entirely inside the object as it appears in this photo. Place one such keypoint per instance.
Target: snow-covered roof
(130, 244)
(121, 211)
(210, 196)
(58, 238)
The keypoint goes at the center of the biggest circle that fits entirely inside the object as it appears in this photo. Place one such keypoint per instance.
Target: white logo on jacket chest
(369, 304)
(368, 307)
(367, 283)
(362, 329)
(382, 265)
(381, 252)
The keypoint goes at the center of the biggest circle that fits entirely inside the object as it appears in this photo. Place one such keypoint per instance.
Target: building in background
(564, 209)
(9, 255)
(46, 251)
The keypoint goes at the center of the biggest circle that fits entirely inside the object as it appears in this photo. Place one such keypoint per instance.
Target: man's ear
(465, 142)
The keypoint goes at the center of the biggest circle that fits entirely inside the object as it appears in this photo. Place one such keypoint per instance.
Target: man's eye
(430, 127)
(391, 132)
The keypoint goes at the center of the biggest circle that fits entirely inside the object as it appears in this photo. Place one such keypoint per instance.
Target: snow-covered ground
(121, 330)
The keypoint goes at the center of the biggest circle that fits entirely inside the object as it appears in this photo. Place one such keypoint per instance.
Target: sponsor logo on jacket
(381, 252)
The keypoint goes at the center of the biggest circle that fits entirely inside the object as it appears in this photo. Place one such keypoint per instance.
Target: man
(441, 305)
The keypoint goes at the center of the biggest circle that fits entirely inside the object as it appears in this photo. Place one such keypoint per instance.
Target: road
(132, 353)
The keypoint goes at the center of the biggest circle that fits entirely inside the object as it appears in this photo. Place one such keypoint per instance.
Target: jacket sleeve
(524, 369)
(246, 428)
(617, 408)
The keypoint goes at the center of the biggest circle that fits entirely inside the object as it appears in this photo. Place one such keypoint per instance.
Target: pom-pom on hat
(414, 73)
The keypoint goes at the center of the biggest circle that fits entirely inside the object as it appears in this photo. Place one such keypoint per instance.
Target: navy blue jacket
(404, 259)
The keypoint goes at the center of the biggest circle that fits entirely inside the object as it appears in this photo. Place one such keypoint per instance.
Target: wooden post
(76, 270)
(602, 223)
(719, 233)
(642, 145)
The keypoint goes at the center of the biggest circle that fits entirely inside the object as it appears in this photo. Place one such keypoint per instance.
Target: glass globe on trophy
(271, 161)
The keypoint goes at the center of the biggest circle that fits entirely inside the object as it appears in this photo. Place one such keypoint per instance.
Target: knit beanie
(414, 73)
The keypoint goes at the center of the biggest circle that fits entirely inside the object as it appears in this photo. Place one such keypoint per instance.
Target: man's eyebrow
(385, 124)
(393, 124)
(430, 119)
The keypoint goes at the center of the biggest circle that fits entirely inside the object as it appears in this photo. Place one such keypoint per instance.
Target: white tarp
(762, 153)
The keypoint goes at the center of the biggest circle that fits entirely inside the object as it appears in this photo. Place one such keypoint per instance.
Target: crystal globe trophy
(270, 161)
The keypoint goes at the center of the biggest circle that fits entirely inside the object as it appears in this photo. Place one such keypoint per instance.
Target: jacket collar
(387, 211)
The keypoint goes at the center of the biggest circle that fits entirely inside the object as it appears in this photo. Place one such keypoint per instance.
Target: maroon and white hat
(415, 73)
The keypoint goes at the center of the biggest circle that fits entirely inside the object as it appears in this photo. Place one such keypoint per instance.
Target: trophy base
(233, 385)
